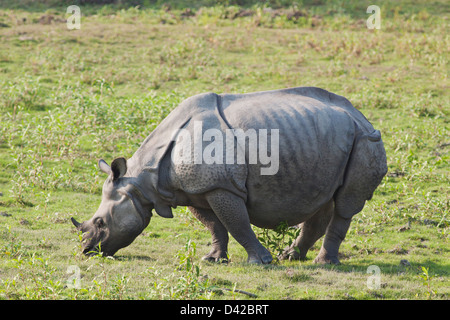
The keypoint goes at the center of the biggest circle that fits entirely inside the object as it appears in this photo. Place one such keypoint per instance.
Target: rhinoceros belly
(314, 143)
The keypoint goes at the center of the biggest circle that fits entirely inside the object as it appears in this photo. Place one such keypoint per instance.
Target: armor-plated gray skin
(330, 161)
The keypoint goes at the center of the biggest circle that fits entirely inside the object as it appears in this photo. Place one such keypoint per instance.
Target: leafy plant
(190, 285)
(12, 245)
(278, 239)
(426, 280)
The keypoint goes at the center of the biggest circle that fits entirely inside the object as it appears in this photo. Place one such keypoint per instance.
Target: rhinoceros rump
(323, 161)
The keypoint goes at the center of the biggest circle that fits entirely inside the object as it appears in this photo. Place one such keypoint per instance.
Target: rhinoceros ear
(104, 166)
(119, 168)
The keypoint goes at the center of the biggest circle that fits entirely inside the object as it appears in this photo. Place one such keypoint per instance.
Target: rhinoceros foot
(326, 259)
(290, 253)
(216, 256)
(260, 256)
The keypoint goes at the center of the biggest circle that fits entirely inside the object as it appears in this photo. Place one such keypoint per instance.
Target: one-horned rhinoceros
(296, 156)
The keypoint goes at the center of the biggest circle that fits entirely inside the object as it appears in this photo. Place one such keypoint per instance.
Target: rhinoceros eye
(99, 223)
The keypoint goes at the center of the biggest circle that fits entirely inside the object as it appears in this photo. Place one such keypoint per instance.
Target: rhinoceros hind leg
(312, 230)
(335, 234)
(365, 170)
(218, 232)
(232, 212)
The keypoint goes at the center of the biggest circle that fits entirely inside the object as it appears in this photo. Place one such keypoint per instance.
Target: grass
(69, 97)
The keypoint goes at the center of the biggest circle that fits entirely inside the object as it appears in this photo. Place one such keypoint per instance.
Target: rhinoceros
(298, 156)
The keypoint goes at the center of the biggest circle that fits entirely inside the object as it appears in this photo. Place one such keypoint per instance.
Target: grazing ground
(70, 97)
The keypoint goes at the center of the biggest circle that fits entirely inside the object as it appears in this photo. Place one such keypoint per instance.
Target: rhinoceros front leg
(219, 234)
(232, 212)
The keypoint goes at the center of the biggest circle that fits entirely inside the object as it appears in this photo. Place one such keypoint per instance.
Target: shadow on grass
(134, 258)
(435, 269)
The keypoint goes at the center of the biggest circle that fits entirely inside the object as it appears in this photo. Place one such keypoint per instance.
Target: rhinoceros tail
(366, 168)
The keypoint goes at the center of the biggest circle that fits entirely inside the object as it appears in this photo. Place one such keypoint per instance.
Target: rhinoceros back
(316, 134)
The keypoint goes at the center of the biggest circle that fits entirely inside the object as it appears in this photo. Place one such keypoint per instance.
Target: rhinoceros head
(123, 213)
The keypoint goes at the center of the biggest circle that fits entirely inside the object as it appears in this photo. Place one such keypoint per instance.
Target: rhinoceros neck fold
(155, 146)
(145, 164)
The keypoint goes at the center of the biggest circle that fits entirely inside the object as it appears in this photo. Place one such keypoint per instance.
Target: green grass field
(70, 97)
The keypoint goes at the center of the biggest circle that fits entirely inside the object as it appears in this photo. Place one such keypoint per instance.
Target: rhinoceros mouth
(93, 250)
(92, 242)
(90, 251)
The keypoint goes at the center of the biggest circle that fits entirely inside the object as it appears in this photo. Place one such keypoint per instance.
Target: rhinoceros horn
(75, 223)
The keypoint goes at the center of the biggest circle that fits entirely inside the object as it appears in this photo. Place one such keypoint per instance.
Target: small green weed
(426, 280)
(278, 239)
(190, 284)
(12, 246)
